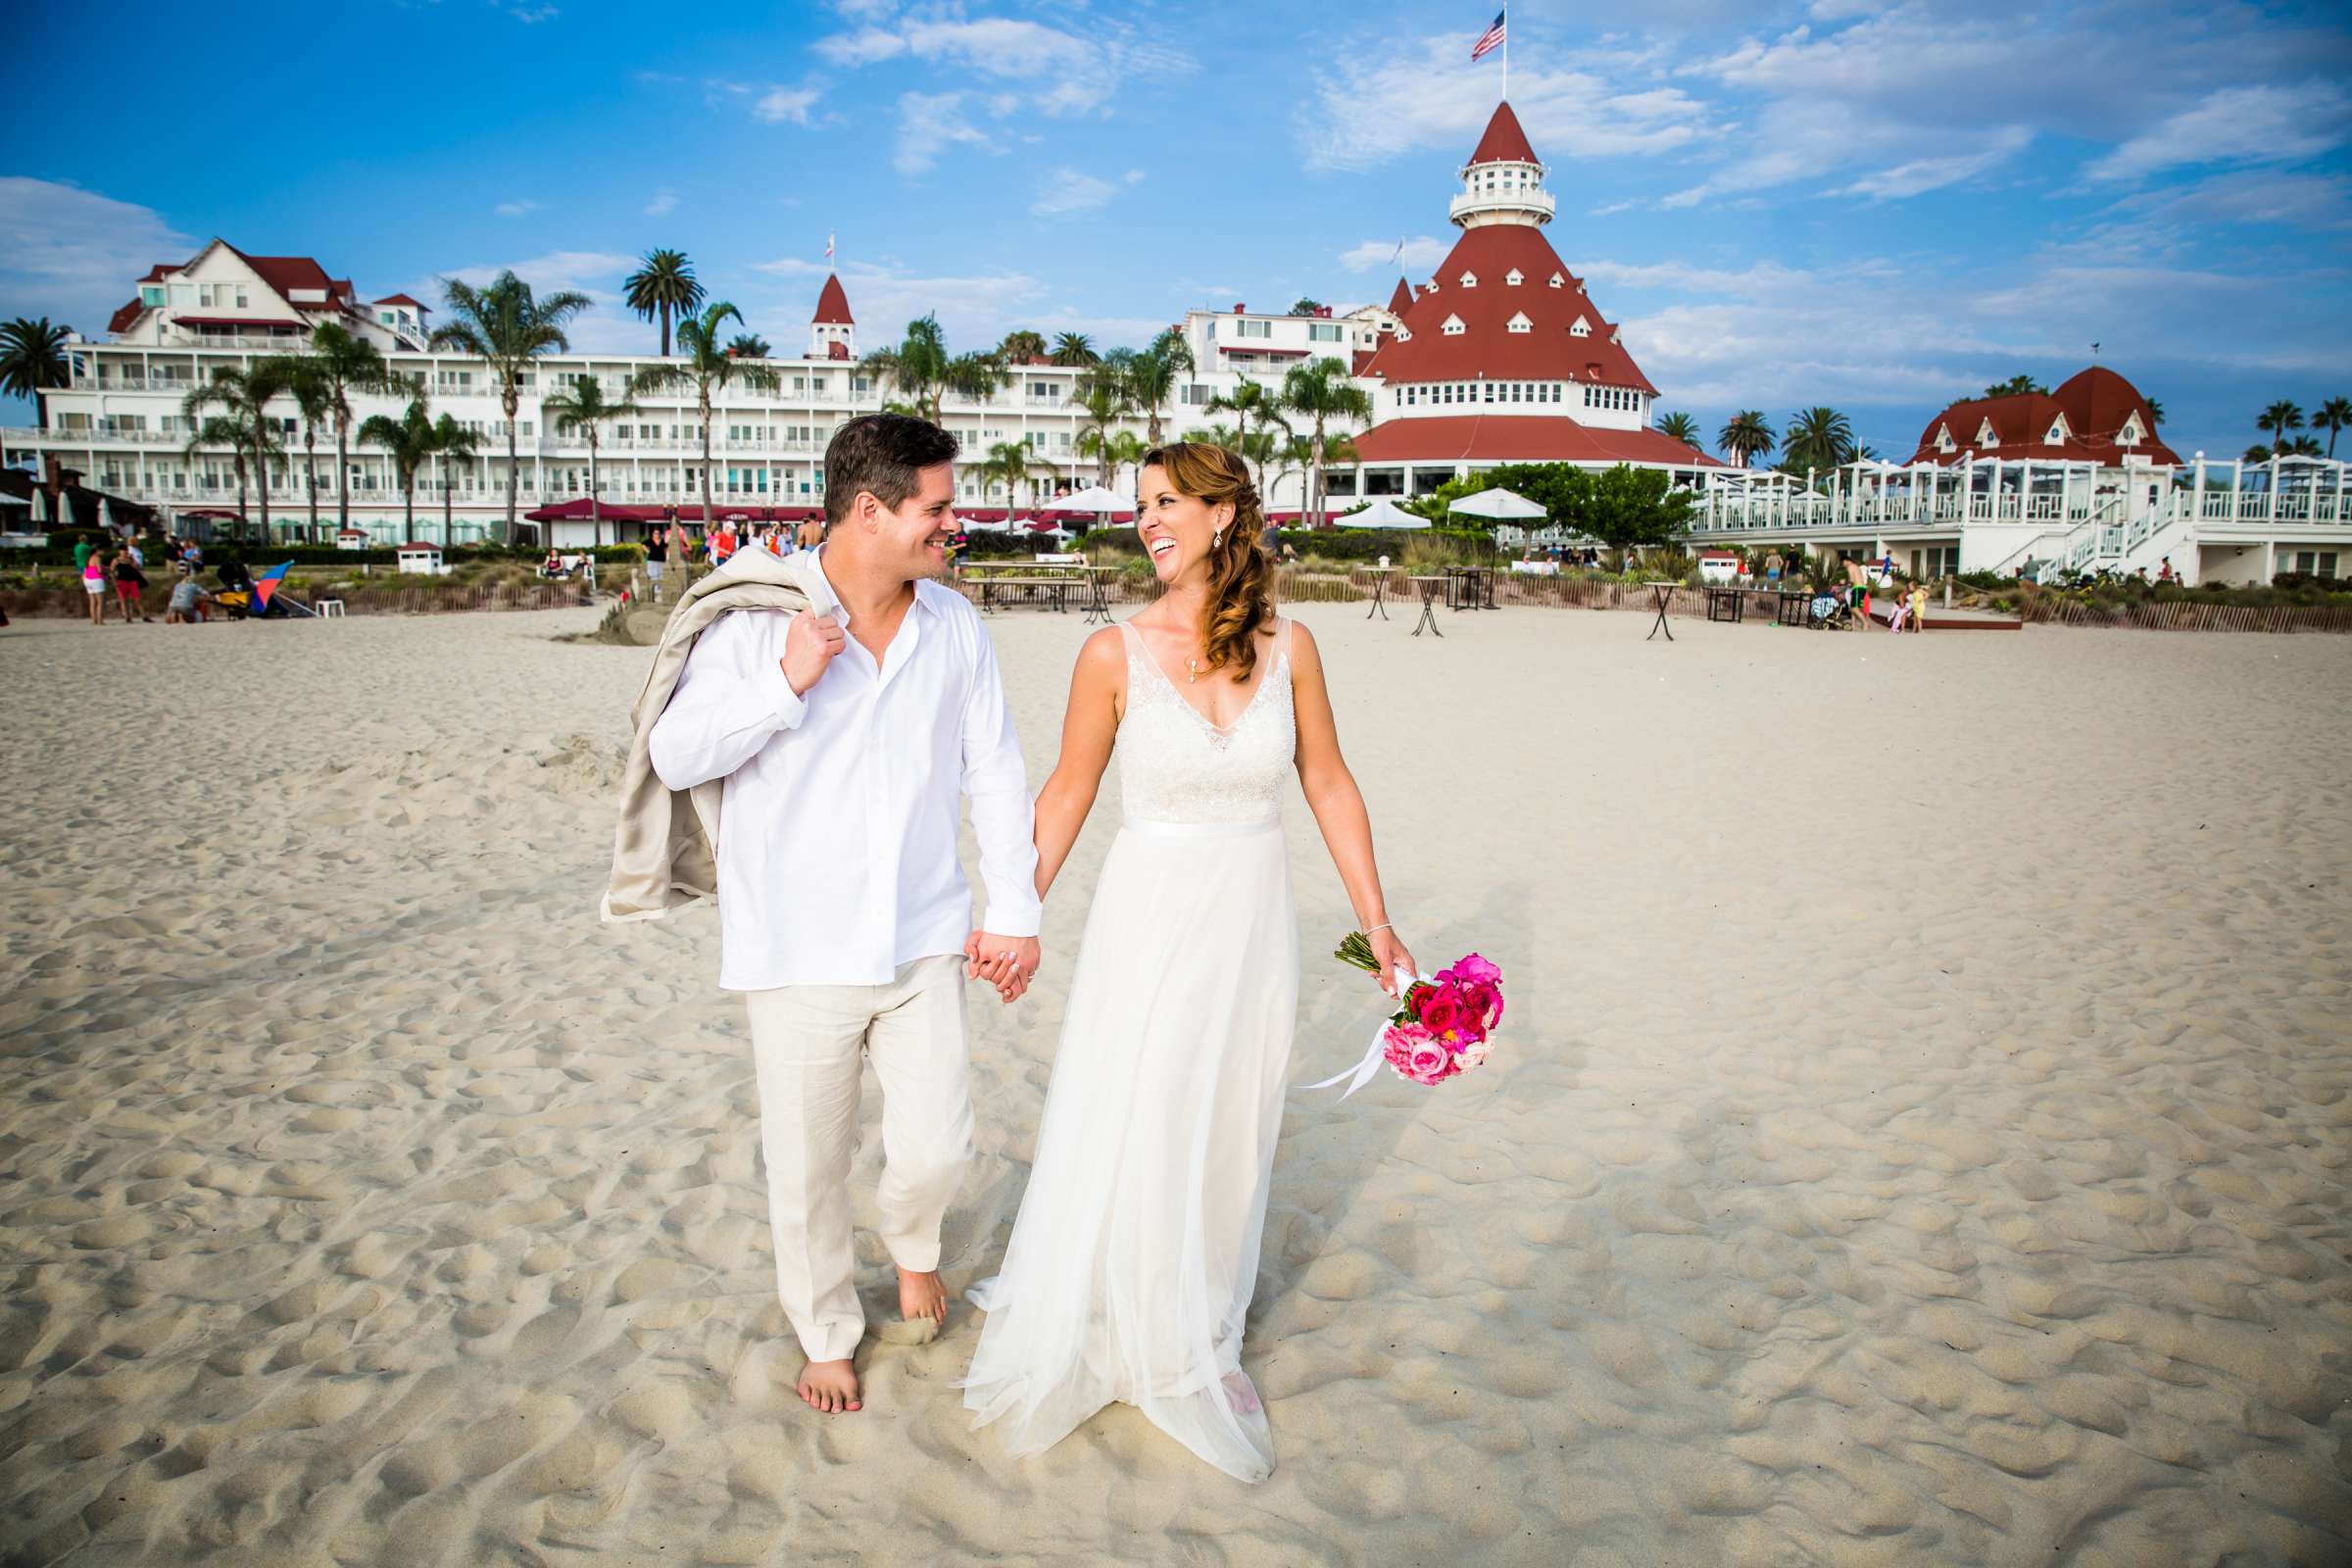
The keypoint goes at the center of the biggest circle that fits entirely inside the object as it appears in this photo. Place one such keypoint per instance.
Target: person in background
(93, 581)
(81, 555)
(1919, 607)
(187, 603)
(655, 541)
(1772, 566)
(811, 533)
(130, 586)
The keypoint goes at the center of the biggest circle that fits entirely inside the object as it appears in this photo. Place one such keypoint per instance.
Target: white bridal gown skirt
(1135, 1253)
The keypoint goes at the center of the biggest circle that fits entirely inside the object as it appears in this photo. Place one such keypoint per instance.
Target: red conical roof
(1505, 141)
(833, 303)
(1550, 349)
(1402, 300)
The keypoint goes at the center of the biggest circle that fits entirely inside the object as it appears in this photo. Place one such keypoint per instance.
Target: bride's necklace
(1192, 671)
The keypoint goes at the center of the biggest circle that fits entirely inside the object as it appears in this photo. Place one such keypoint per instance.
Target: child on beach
(1919, 607)
(1902, 608)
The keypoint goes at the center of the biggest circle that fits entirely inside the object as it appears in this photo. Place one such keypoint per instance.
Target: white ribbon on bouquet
(1362, 1073)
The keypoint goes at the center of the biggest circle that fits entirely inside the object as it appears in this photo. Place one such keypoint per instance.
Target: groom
(845, 733)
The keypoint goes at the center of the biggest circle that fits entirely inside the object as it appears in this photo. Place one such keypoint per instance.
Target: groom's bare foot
(922, 1296)
(830, 1386)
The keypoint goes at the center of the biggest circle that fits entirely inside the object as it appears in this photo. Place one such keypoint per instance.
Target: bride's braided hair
(1240, 579)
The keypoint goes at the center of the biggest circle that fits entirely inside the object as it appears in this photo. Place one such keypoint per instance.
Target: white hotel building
(1500, 356)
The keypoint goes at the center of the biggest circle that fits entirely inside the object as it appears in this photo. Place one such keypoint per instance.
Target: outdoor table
(1661, 592)
(1727, 603)
(1792, 607)
(1430, 587)
(1379, 588)
(1469, 588)
(1097, 604)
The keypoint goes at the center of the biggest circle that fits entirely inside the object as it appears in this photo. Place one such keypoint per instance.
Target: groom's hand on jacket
(809, 644)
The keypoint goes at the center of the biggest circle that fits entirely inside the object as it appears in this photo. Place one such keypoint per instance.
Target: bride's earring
(1216, 539)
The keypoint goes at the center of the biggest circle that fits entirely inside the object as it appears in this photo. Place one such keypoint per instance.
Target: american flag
(1494, 36)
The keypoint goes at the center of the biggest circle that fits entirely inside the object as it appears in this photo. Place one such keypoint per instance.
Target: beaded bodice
(1176, 767)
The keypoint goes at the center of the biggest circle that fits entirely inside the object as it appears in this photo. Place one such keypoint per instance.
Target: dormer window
(1453, 327)
(2058, 432)
(1559, 281)
(1986, 437)
(1520, 324)
(1581, 329)
(1944, 438)
(1612, 334)
(2129, 436)
(1469, 280)
(1514, 277)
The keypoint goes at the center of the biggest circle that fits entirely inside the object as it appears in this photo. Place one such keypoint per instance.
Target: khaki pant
(806, 1042)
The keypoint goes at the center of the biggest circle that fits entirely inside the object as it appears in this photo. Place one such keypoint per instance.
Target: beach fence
(2183, 615)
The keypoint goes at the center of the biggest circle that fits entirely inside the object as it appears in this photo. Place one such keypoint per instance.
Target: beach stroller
(261, 598)
(1829, 611)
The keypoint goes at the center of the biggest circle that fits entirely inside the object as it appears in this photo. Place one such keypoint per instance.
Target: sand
(1919, 1136)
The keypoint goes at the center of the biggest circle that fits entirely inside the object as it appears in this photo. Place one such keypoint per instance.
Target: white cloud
(1920, 175)
(515, 208)
(1420, 252)
(1421, 96)
(665, 201)
(73, 256)
(1067, 190)
(2260, 123)
(608, 326)
(1133, 177)
(780, 105)
(530, 14)
(1062, 72)
(928, 124)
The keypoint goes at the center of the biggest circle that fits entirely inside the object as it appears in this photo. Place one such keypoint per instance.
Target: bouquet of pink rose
(1443, 1026)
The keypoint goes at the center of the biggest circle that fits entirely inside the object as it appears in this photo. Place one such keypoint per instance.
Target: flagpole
(1507, 54)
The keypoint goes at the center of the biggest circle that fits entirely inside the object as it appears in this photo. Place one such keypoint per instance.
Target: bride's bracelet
(1385, 926)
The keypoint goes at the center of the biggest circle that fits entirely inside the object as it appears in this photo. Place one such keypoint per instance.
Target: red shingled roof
(1402, 300)
(1549, 351)
(403, 299)
(833, 303)
(1519, 438)
(1505, 141)
(124, 318)
(2096, 404)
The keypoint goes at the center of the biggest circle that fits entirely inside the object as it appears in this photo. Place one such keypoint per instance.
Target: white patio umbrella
(106, 516)
(1382, 514)
(1506, 504)
(1094, 498)
(40, 506)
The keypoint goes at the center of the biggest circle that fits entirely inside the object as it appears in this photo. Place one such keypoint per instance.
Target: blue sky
(1880, 208)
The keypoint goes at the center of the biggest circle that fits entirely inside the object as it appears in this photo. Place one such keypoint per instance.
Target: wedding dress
(1133, 1257)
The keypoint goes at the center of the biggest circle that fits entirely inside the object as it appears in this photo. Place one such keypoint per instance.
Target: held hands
(1390, 953)
(1005, 963)
(809, 644)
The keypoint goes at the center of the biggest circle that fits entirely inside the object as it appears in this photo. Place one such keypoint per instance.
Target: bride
(1132, 1261)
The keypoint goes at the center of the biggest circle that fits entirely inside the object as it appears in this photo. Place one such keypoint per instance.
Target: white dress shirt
(837, 856)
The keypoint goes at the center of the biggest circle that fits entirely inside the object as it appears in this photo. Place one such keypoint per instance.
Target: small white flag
(828, 247)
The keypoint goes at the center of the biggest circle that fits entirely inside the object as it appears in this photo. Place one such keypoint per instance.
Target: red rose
(1442, 1011)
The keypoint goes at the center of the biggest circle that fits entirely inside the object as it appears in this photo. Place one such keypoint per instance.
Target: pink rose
(1484, 999)
(1474, 1055)
(1415, 1054)
(1471, 968)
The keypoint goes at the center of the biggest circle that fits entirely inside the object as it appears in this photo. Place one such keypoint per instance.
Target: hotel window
(1469, 280)
(1253, 329)
(1520, 324)
(1514, 277)
(1557, 281)
(817, 384)
(1580, 329)
(1453, 327)
(151, 296)
(1322, 331)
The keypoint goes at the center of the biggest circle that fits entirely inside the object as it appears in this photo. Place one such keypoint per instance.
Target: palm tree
(1818, 438)
(1153, 376)
(922, 369)
(1258, 447)
(2155, 412)
(1250, 400)
(2255, 454)
(1745, 437)
(507, 327)
(452, 443)
(1321, 390)
(2280, 420)
(233, 432)
(350, 364)
(665, 285)
(1074, 349)
(708, 369)
(1120, 449)
(33, 358)
(2333, 416)
(2016, 386)
(409, 441)
(1680, 427)
(748, 346)
(1100, 398)
(243, 397)
(307, 385)
(1021, 346)
(1008, 464)
(586, 406)
(2302, 446)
